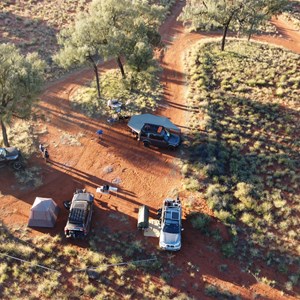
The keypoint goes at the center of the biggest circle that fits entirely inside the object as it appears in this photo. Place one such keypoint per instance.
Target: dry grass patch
(247, 152)
(71, 140)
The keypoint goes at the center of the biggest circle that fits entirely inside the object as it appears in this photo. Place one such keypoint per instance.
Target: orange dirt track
(145, 176)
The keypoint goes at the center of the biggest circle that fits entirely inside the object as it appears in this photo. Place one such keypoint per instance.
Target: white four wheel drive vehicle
(170, 217)
(11, 156)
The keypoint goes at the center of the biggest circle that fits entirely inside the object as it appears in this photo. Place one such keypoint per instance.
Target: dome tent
(43, 213)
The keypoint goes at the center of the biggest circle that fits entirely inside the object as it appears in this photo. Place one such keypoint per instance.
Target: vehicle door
(157, 140)
(2, 155)
(143, 135)
(89, 217)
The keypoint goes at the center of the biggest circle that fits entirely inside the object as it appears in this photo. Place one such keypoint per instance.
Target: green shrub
(228, 249)
(247, 218)
(246, 161)
(201, 221)
(192, 184)
(224, 216)
(280, 92)
(245, 193)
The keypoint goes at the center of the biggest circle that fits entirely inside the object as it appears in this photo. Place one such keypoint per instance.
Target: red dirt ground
(146, 176)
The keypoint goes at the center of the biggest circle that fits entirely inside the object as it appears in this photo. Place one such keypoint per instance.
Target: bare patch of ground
(142, 175)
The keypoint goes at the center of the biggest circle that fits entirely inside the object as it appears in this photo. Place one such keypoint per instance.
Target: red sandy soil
(146, 176)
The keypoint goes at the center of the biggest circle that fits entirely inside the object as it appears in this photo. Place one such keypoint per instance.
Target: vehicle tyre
(17, 165)
(146, 144)
(172, 148)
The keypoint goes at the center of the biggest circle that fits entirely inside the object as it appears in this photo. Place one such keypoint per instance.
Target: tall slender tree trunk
(250, 32)
(97, 80)
(121, 66)
(4, 134)
(97, 75)
(225, 30)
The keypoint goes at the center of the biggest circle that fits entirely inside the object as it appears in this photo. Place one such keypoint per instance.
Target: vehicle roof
(172, 202)
(79, 207)
(172, 210)
(151, 128)
(137, 122)
(82, 197)
(78, 211)
(172, 214)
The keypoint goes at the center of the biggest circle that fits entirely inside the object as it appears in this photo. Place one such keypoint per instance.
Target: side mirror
(67, 205)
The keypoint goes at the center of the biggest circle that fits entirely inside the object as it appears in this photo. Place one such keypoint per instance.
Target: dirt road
(143, 176)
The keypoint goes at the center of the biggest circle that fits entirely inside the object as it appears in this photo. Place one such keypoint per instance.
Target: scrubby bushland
(67, 277)
(33, 25)
(139, 91)
(292, 13)
(244, 143)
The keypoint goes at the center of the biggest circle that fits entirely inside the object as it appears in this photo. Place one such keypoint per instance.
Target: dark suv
(11, 156)
(158, 136)
(80, 216)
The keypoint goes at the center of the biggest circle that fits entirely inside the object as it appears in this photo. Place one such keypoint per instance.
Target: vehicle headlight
(162, 244)
(177, 245)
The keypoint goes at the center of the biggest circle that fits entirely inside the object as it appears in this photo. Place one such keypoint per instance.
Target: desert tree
(21, 79)
(117, 18)
(256, 13)
(229, 14)
(208, 14)
(129, 24)
(141, 57)
(84, 42)
(110, 28)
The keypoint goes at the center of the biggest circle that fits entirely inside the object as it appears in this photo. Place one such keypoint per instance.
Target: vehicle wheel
(17, 165)
(172, 148)
(146, 144)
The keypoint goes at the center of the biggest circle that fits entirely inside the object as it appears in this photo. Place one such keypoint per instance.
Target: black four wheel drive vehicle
(158, 136)
(80, 216)
(155, 131)
(11, 156)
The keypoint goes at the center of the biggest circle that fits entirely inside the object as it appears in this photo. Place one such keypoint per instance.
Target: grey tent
(43, 213)
(137, 122)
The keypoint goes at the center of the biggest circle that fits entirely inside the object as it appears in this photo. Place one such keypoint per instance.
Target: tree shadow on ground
(263, 154)
(29, 34)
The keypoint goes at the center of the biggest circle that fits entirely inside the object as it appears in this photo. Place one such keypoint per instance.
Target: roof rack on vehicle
(172, 202)
(77, 215)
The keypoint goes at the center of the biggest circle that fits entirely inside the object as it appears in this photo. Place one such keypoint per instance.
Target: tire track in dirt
(173, 78)
(147, 175)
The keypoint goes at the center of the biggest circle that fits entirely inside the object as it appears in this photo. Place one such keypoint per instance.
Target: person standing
(41, 148)
(100, 134)
(46, 154)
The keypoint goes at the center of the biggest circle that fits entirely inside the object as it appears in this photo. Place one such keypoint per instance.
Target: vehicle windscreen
(166, 134)
(2, 152)
(171, 227)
